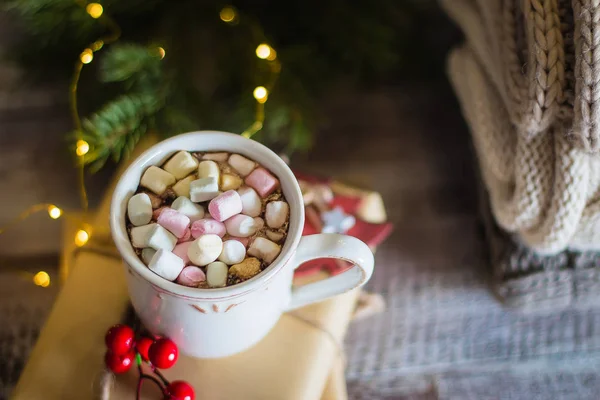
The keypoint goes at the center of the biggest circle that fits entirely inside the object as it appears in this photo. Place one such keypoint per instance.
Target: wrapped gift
(301, 358)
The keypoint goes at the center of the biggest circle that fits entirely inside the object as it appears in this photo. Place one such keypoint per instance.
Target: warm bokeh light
(94, 9)
(42, 279)
(263, 51)
(86, 56)
(227, 14)
(161, 52)
(82, 147)
(81, 237)
(54, 212)
(97, 45)
(261, 94)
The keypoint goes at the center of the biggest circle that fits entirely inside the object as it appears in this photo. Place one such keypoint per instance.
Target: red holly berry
(143, 345)
(119, 363)
(120, 339)
(179, 390)
(163, 353)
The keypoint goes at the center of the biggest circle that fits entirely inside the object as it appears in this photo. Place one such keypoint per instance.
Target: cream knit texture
(544, 187)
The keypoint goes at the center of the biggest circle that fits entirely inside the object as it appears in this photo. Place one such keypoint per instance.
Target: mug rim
(123, 191)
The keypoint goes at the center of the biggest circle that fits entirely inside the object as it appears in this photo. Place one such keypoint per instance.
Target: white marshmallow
(147, 255)
(216, 156)
(160, 238)
(276, 213)
(233, 252)
(204, 189)
(241, 164)
(182, 187)
(181, 164)
(251, 202)
(205, 249)
(191, 210)
(141, 234)
(264, 249)
(157, 180)
(275, 236)
(242, 225)
(166, 264)
(208, 168)
(139, 209)
(216, 274)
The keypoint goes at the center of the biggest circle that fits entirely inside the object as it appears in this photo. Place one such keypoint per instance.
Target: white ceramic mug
(209, 323)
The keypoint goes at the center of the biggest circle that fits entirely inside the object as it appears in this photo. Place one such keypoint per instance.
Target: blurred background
(359, 92)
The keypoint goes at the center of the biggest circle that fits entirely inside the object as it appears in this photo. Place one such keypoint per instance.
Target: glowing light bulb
(161, 52)
(82, 147)
(227, 14)
(81, 238)
(261, 94)
(97, 45)
(54, 212)
(86, 56)
(263, 51)
(94, 9)
(42, 279)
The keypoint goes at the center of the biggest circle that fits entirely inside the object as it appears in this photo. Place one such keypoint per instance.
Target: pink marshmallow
(207, 226)
(181, 251)
(174, 221)
(225, 205)
(156, 213)
(191, 276)
(187, 236)
(262, 181)
(242, 240)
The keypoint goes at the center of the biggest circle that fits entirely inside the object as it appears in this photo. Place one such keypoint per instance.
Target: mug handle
(331, 245)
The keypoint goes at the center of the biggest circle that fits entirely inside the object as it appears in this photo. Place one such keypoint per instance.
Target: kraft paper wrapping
(297, 360)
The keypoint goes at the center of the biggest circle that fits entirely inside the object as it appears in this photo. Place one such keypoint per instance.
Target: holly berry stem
(141, 378)
(161, 376)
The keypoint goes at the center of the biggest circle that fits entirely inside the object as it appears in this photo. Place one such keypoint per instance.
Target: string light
(86, 56)
(42, 279)
(81, 237)
(261, 94)
(263, 51)
(94, 9)
(161, 52)
(82, 147)
(54, 212)
(228, 14)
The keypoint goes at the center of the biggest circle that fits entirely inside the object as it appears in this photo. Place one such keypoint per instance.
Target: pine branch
(117, 127)
(135, 65)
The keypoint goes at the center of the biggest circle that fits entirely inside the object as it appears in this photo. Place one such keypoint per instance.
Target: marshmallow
(264, 249)
(216, 274)
(181, 251)
(262, 181)
(140, 235)
(157, 180)
(225, 205)
(275, 236)
(191, 276)
(191, 210)
(154, 200)
(241, 225)
(233, 252)
(207, 169)
(276, 213)
(160, 238)
(216, 156)
(181, 164)
(156, 213)
(174, 221)
(147, 255)
(166, 264)
(139, 209)
(208, 226)
(246, 269)
(241, 164)
(251, 203)
(187, 236)
(205, 249)
(259, 223)
(182, 187)
(204, 189)
(242, 240)
(230, 182)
